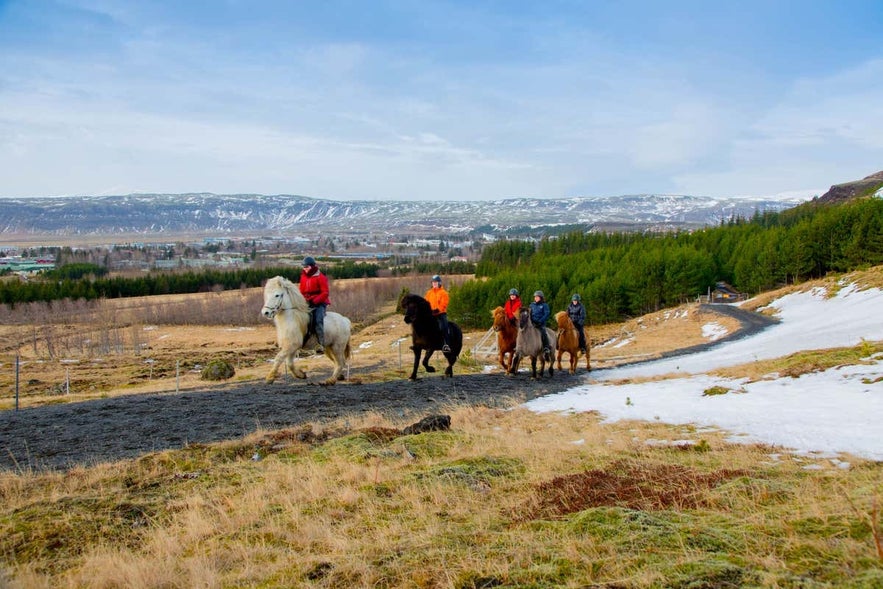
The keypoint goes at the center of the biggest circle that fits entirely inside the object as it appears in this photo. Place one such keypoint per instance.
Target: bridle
(270, 311)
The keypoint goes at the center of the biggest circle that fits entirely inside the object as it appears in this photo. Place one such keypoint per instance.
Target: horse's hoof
(414, 378)
(429, 368)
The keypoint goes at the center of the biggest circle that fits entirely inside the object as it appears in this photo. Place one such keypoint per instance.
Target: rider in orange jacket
(438, 299)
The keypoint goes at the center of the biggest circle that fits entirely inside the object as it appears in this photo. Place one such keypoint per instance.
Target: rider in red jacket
(314, 287)
(513, 305)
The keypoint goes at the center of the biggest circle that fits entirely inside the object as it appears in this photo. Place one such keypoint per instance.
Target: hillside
(256, 215)
(848, 190)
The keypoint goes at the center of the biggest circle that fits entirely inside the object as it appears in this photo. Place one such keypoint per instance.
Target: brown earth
(158, 406)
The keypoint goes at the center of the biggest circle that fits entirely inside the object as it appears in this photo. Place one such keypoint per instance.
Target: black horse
(426, 335)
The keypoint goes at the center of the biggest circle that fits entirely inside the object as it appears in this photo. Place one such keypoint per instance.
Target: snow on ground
(834, 411)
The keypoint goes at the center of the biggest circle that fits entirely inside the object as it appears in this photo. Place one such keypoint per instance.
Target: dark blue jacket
(540, 313)
(577, 314)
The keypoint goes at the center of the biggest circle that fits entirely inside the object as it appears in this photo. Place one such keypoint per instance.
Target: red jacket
(512, 307)
(314, 286)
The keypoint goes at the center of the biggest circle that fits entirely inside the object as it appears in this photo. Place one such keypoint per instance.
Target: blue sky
(441, 100)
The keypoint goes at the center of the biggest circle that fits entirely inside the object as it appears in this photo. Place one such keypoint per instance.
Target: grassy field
(505, 498)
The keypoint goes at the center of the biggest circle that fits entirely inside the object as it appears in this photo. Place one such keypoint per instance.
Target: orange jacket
(437, 299)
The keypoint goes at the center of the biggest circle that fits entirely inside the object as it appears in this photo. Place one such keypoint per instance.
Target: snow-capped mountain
(254, 214)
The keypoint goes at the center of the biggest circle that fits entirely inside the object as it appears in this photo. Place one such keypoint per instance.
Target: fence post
(16, 380)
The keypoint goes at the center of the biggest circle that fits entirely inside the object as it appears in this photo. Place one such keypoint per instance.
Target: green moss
(714, 573)
(474, 471)
(715, 390)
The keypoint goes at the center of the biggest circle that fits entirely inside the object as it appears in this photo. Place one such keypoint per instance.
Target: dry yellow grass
(499, 498)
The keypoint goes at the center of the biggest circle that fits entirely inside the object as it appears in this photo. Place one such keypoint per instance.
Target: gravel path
(61, 436)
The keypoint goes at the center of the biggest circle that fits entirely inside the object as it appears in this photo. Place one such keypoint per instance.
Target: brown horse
(568, 341)
(507, 333)
(530, 343)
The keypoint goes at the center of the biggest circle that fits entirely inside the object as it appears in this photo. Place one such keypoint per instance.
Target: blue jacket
(540, 313)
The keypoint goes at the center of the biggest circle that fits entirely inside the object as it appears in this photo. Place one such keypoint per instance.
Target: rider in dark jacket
(577, 314)
(539, 315)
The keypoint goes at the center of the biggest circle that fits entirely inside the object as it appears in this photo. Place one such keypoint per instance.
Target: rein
(278, 307)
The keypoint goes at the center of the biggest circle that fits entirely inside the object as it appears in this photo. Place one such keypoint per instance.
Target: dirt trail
(60, 436)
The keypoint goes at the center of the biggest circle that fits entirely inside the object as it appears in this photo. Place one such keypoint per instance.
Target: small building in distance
(723, 293)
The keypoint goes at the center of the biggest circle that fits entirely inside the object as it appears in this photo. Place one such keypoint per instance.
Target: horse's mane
(298, 301)
(563, 320)
(498, 313)
(416, 299)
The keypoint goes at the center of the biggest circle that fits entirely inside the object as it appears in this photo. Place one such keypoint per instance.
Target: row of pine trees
(624, 275)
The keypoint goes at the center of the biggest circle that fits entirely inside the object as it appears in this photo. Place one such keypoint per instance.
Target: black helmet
(309, 261)
(540, 294)
(575, 297)
(513, 291)
(436, 278)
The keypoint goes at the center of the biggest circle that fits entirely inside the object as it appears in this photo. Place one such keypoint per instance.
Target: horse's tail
(347, 352)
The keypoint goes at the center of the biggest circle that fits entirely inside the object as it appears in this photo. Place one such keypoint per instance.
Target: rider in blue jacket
(539, 315)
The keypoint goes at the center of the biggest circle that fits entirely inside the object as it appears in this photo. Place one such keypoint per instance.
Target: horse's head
(563, 320)
(524, 318)
(281, 294)
(274, 297)
(500, 319)
(411, 307)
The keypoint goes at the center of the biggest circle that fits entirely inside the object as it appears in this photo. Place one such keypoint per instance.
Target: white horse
(287, 307)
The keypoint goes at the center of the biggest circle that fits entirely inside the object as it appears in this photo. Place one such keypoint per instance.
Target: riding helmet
(436, 278)
(575, 298)
(540, 294)
(513, 291)
(309, 261)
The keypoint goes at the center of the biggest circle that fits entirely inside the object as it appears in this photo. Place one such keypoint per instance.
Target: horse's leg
(533, 366)
(417, 352)
(297, 372)
(514, 361)
(588, 356)
(426, 356)
(278, 362)
(559, 354)
(333, 354)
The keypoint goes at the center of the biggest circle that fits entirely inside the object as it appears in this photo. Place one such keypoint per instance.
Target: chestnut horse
(507, 333)
(568, 341)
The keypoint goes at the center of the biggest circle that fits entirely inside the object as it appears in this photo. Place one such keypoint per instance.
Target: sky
(439, 99)
(819, 415)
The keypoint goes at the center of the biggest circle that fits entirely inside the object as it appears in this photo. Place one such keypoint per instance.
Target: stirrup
(446, 348)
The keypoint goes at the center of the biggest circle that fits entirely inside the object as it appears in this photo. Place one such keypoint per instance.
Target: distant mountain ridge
(254, 214)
